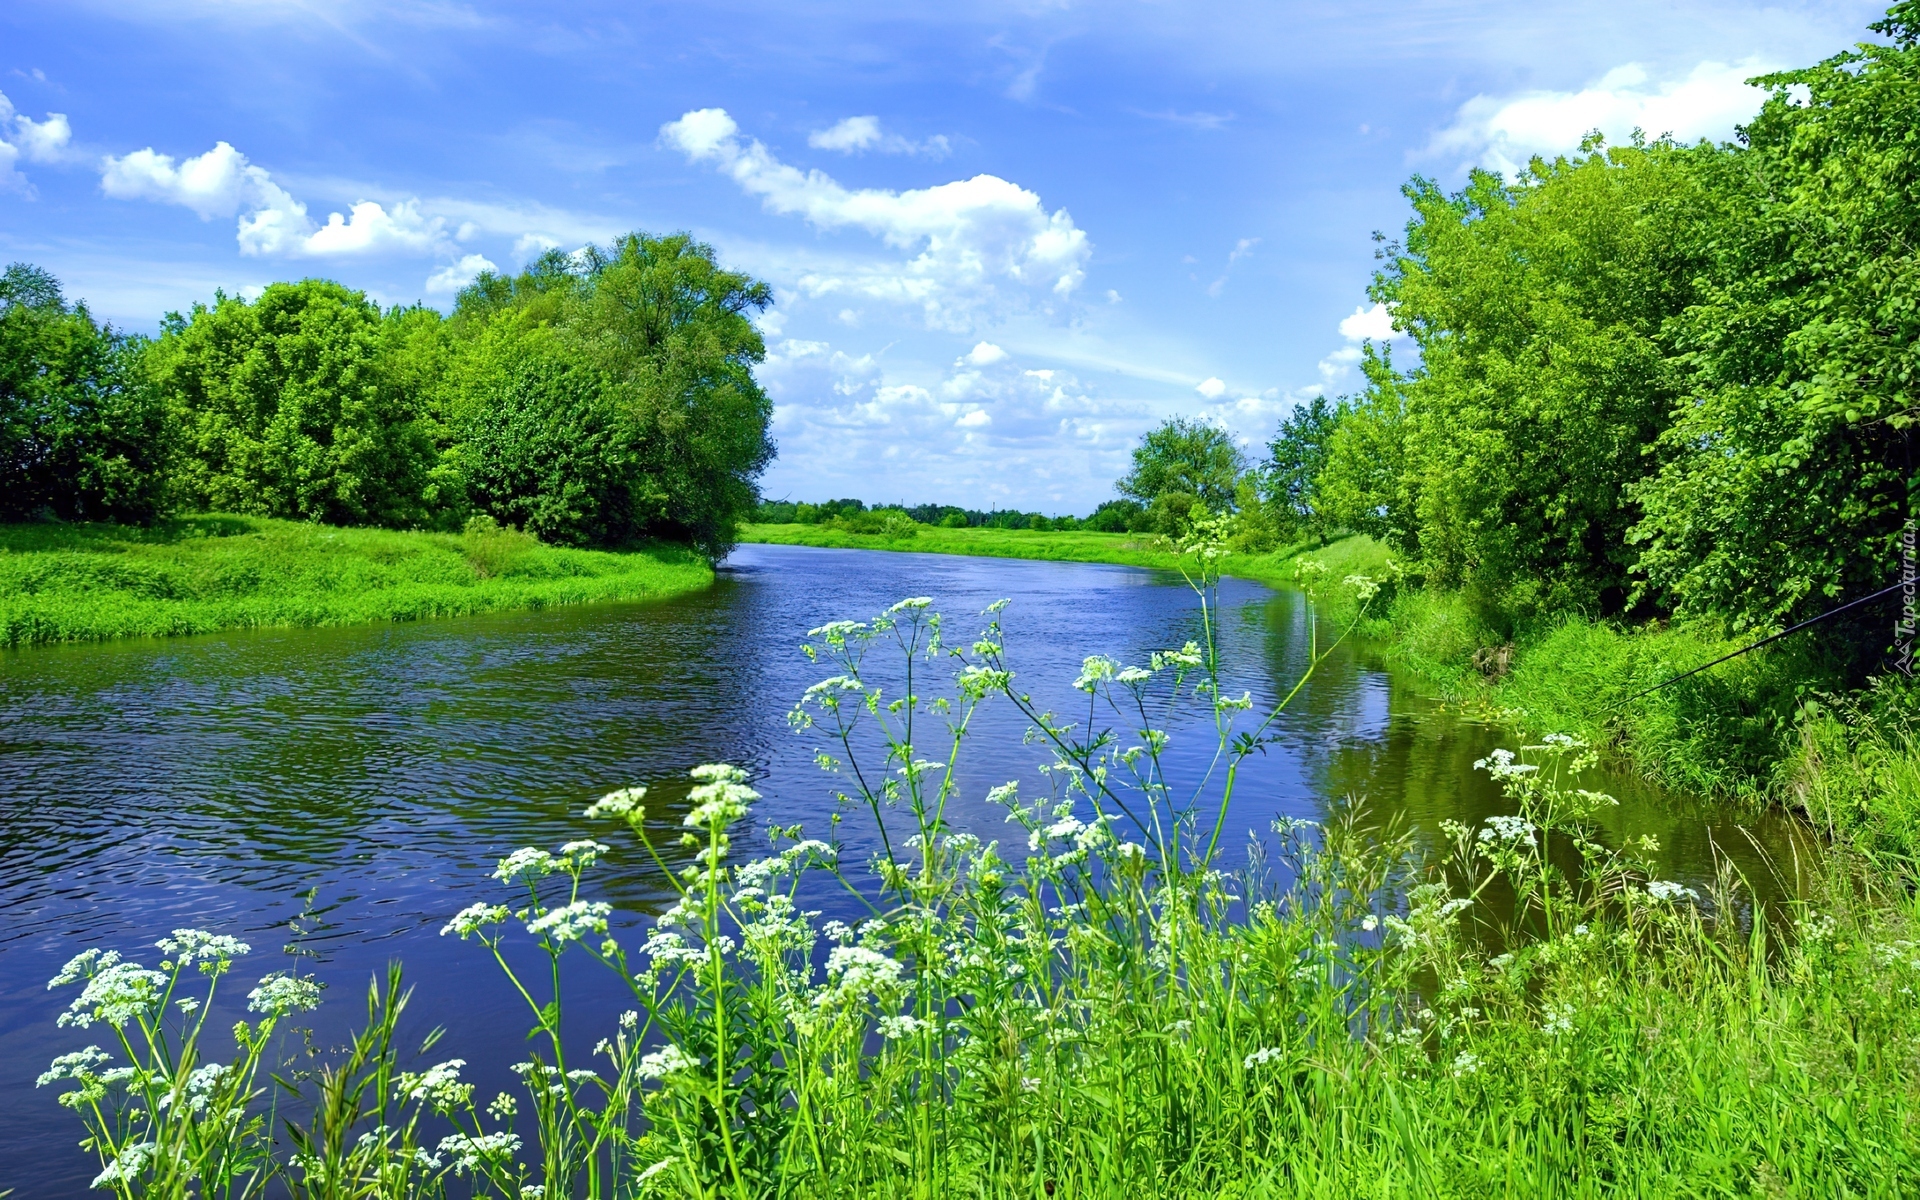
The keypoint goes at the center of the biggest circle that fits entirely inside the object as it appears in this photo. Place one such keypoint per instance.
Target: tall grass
(1096, 1009)
(88, 582)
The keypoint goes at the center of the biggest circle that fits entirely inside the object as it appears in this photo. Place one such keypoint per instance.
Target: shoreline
(68, 583)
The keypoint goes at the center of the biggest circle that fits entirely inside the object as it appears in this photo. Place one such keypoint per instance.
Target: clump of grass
(89, 582)
(1098, 1010)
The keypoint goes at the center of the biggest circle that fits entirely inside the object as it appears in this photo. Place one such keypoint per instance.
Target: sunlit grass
(85, 582)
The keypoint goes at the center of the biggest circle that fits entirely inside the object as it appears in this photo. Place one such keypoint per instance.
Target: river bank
(1773, 727)
(75, 582)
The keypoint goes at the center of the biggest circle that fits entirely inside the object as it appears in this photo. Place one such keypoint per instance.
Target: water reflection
(214, 781)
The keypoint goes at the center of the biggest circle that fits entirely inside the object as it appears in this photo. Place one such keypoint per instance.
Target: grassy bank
(1124, 549)
(89, 582)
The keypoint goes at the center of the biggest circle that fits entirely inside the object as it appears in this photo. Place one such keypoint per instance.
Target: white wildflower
(895, 1028)
(1465, 1063)
(189, 945)
(77, 1065)
(473, 918)
(118, 994)
(1667, 892)
(280, 994)
(528, 863)
(438, 1086)
(126, 1165)
(1261, 1057)
(623, 803)
(469, 1153)
(571, 922)
(667, 1060)
(1508, 829)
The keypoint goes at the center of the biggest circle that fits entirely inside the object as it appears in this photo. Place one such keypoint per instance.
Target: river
(370, 776)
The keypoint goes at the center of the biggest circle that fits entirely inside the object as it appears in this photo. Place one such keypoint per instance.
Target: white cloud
(1212, 389)
(981, 243)
(1362, 325)
(857, 135)
(1503, 133)
(369, 227)
(529, 246)
(1375, 324)
(454, 276)
(21, 137)
(985, 354)
(271, 222)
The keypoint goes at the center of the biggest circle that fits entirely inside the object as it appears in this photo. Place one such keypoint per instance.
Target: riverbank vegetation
(1514, 1008)
(62, 582)
(597, 399)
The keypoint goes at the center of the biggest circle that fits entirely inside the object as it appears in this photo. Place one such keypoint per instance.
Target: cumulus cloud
(981, 242)
(1212, 389)
(1362, 325)
(857, 135)
(454, 276)
(1504, 132)
(271, 222)
(22, 137)
(984, 429)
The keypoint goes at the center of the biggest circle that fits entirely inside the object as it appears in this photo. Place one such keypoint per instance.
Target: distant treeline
(1115, 516)
(595, 399)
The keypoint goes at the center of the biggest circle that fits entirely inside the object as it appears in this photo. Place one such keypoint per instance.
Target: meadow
(74, 582)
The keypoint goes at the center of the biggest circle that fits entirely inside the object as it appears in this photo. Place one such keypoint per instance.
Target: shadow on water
(215, 781)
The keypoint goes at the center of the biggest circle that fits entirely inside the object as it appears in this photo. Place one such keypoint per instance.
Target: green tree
(1184, 457)
(297, 405)
(81, 435)
(1297, 456)
(1540, 308)
(649, 349)
(1789, 469)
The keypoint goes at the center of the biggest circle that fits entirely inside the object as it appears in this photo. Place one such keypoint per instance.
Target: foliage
(81, 435)
(1517, 1006)
(1180, 462)
(292, 406)
(1297, 457)
(88, 582)
(1118, 516)
(1787, 472)
(616, 394)
(1539, 309)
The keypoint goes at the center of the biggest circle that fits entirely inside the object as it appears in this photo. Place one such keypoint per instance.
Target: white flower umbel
(1668, 892)
(118, 995)
(668, 1060)
(1512, 830)
(126, 1166)
(528, 863)
(211, 950)
(474, 918)
(281, 994)
(438, 1087)
(623, 803)
(721, 799)
(470, 1153)
(571, 922)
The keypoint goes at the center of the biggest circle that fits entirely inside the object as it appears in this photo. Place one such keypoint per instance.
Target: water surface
(374, 774)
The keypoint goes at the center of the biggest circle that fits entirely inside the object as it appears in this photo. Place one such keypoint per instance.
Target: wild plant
(1098, 1007)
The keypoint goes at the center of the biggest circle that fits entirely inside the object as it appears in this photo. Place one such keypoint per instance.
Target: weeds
(1097, 1008)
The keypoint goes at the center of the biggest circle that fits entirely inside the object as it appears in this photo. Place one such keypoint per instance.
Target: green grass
(90, 582)
(1348, 555)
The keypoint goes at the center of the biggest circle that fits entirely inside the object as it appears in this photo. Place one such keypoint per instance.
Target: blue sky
(1005, 238)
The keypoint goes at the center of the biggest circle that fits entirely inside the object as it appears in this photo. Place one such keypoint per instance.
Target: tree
(1542, 312)
(295, 405)
(675, 423)
(1185, 457)
(1296, 457)
(1788, 473)
(82, 437)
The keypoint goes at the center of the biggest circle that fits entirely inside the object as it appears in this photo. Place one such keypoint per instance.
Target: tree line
(1651, 379)
(596, 398)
